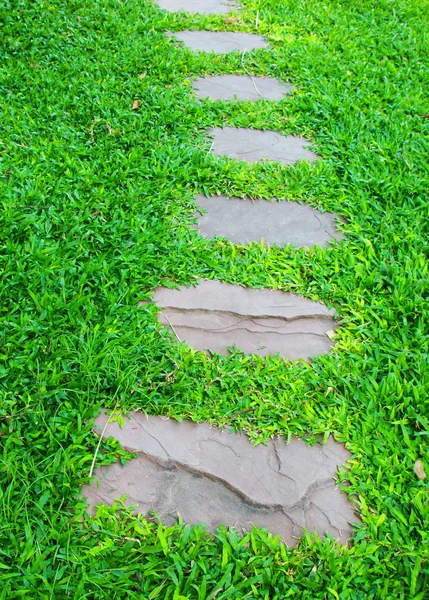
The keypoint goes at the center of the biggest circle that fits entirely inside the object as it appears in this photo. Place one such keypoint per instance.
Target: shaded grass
(96, 206)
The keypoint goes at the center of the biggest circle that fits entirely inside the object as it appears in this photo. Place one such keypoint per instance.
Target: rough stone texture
(244, 220)
(204, 7)
(216, 476)
(252, 145)
(215, 315)
(221, 42)
(240, 87)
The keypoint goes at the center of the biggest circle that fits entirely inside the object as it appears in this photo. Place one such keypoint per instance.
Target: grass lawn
(96, 207)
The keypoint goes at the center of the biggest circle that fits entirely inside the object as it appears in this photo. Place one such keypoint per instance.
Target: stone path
(240, 87)
(215, 315)
(221, 42)
(205, 7)
(215, 476)
(244, 220)
(252, 145)
(209, 475)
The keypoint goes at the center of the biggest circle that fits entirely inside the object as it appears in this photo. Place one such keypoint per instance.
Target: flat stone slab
(215, 316)
(215, 477)
(221, 42)
(204, 7)
(240, 87)
(244, 220)
(252, 145)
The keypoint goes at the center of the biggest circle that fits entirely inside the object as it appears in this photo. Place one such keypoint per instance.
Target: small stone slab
(244, 220)
(215, 477)
(221, 42)
(215, 316)
(203, 7)
(252, 145)
(240, 87)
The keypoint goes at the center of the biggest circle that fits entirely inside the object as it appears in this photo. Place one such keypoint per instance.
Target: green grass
(97, 200)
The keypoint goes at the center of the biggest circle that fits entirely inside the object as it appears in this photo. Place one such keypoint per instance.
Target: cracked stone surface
(252, 145)
(245, 220)
(240, 87)
(215, 315)
(204, 7)
(215, 476)
(221, 42)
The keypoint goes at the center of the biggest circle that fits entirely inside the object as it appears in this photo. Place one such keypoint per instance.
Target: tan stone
(215, 476)
(243, 220)
(252, 145)
(204, 7)
(221, 42)
(215, 316)
(240, 87)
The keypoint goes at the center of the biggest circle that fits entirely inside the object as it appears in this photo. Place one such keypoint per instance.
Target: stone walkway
(216, 476)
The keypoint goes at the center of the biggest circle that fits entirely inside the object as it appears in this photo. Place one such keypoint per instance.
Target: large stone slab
(215, 476)
(204, 7)
(240, 87)
(221, 42)
(215, 316)
(252, 145)
(245, 220)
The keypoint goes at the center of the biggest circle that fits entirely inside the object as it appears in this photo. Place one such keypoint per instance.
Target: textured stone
(204, 7)
(244, 220)
(215, 476)
(215, 315)
(240, 87)
(252, 145)
(221, 42)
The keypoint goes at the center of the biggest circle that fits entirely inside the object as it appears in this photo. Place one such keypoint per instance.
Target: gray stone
(240, 87)
(215, 315)
(244, 220)
(221, 42)
(204, 7)
(252, 145)
(215, 476)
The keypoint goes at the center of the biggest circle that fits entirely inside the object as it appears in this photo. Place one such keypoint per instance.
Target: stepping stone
(215, 316)
(221, 42)
(240, 87)
(252, 145)
(216, 476)
(204, 7)
(244, 220)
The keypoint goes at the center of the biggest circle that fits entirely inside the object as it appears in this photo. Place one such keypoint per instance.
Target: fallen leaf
(142, 75)
(425, 116)
(136, 105)
(331, 334)
(419, 469)
(79, 21)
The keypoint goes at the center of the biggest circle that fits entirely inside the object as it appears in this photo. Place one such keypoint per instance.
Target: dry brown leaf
(142, 75)
(136, 104)
(419, 469)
